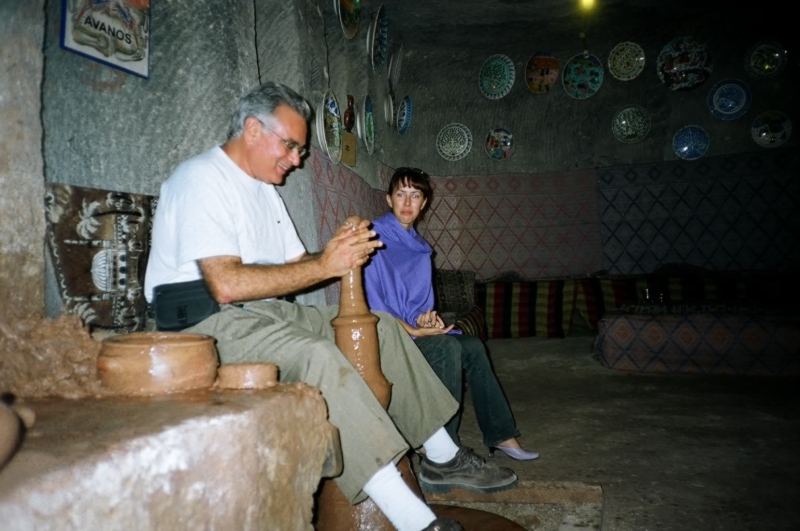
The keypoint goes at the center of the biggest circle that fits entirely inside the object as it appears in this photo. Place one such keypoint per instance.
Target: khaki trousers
(299, 340)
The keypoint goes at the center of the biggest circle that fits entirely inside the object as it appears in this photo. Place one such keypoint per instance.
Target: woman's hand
(429, 319)
(436, 328)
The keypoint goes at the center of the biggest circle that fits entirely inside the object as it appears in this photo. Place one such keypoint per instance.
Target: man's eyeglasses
(291, 145)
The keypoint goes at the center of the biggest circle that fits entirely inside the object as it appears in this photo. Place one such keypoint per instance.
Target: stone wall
(21, 176)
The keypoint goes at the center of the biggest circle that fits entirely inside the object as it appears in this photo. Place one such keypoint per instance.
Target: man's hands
(349, 248)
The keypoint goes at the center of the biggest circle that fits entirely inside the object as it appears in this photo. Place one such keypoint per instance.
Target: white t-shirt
(210, 207)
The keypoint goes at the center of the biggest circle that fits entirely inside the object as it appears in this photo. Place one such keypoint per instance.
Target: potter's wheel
(475, 520)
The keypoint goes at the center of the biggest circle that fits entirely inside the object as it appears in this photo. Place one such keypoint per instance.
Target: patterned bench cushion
(525, 309)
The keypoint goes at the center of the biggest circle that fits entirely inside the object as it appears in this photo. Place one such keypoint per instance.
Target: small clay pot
(247, 376)
(154, 363)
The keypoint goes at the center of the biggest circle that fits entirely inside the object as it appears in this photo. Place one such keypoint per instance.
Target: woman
(398, 280)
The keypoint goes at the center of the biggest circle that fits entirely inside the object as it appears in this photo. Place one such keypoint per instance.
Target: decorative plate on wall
(333, 126)
(541, 72)
(626, 61)
(349, 12)
(729, 99)
(404, 113)
(369, 125)
(765, 59)
(683, 63)
(393, 71)
(582, 76)
(378, 38)
(691, 142)
(319, 122)
(388, 109)
(771, 129)
(496, 77)
(454, 141)
(631, 124)
(499, 144)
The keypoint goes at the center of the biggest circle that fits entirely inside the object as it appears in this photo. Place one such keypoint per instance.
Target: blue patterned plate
(691, 142)
(499, 144)
(771, 129)
(496, 77)
(582, 76)
(378, 39)
(404, 113)
(729, 99)
(683, 63)
(365, 125)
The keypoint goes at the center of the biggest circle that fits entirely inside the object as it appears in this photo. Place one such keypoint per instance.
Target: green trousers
(299, 340)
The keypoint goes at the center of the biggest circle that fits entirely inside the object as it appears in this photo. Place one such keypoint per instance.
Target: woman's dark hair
(413, 177)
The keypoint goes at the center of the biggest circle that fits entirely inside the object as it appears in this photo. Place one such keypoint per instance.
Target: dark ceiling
(517, 25)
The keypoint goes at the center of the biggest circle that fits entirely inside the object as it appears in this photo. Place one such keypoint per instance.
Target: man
(219, 218)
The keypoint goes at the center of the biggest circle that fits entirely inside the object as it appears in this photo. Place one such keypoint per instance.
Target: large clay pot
(10, 433)
(153, 363)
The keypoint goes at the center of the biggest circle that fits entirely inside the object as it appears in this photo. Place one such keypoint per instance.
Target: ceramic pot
(247, 376)
(153, 363)
(10, 433)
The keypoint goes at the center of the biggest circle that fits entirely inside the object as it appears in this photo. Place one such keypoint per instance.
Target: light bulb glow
(587, 5)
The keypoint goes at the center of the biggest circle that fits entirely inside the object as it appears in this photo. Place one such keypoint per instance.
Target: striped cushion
(473, 324)
(524, 309)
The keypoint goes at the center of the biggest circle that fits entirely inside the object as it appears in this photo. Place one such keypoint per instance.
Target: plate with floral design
(365, 125)
(765, 59)
(541, 72)
(496, 76)
(771, 129)
(691, 142)
(626, 61)
(499, 143)
(631, 124)
(454, 141)
(583, 76)
(332, 126)
(683, 63)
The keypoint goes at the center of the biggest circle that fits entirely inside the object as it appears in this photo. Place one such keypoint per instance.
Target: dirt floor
(671, 452)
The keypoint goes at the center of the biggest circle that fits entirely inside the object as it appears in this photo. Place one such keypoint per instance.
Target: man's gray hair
(261, 102)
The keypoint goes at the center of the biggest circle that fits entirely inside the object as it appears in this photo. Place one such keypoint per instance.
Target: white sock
(397, 501)
(440, 448)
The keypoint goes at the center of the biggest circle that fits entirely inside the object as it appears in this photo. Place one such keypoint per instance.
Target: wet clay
(247, 376)
(154, 363)
(43, 357)
(356, 334)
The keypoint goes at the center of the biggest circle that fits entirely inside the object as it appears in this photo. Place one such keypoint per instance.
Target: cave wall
(21, 173)
(555, 132)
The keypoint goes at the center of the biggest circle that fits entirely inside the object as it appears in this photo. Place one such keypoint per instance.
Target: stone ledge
(208, 460)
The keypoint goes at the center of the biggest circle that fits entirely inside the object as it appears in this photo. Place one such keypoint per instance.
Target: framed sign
(114, 32)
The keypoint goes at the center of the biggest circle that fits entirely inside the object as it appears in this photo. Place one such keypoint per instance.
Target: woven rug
(99, 242)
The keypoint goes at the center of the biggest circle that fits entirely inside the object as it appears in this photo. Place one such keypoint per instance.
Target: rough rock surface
(245, 460)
